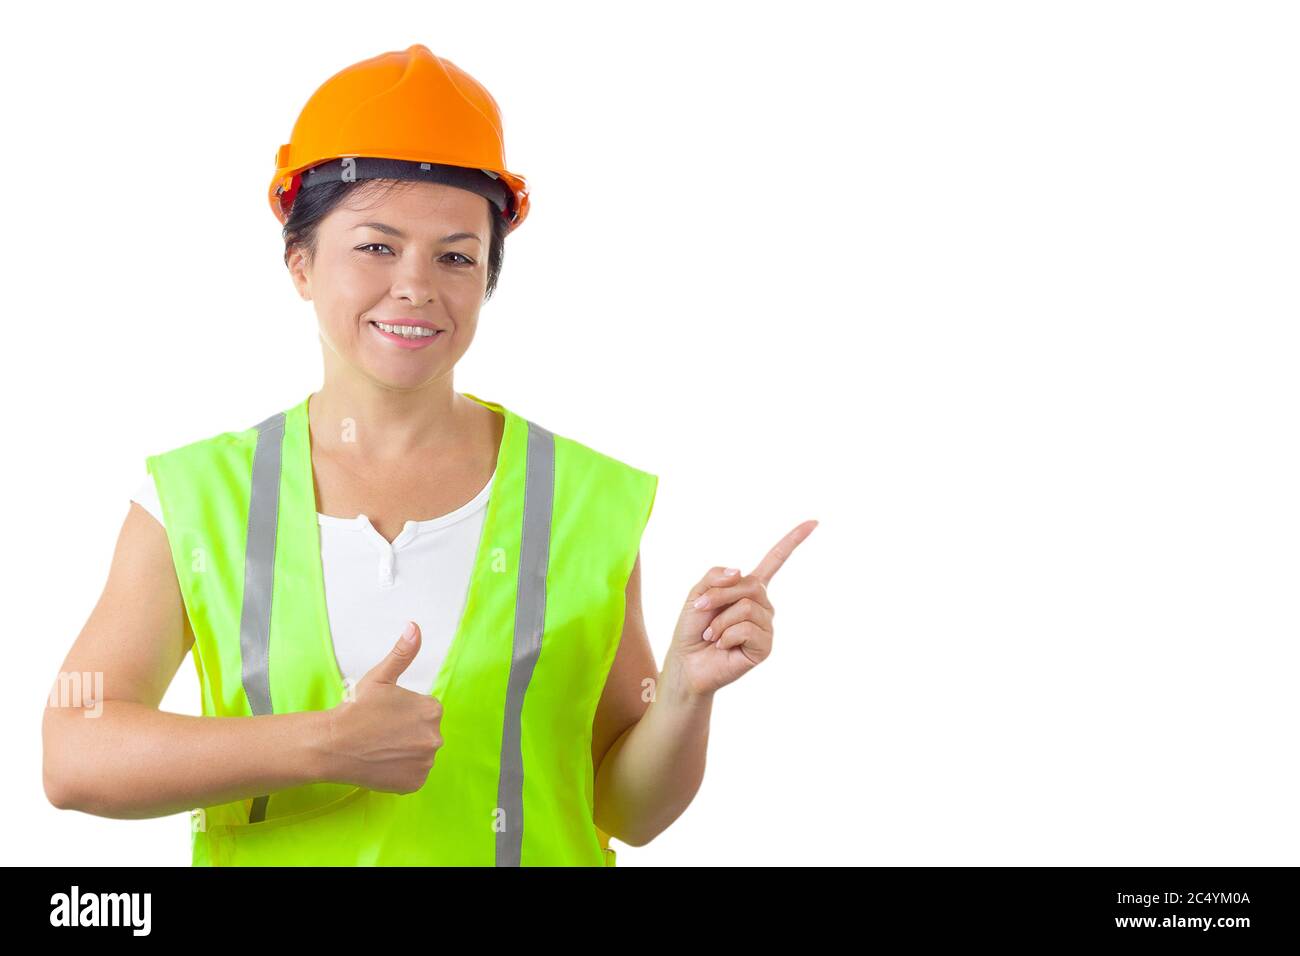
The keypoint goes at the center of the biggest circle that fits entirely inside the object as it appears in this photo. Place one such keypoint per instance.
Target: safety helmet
(404, 114)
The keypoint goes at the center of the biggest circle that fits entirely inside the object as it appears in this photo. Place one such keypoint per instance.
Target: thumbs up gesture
(725, 628)
(386, 737)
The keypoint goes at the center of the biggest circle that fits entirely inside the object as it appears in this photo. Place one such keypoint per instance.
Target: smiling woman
(395, 267)
(288, 556)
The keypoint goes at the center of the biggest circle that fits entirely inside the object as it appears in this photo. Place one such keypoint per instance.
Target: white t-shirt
(372, 588)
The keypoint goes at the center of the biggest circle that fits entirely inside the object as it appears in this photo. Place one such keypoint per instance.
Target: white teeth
(408, 331)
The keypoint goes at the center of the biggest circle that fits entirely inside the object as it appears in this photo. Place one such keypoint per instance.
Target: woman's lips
(415, 342)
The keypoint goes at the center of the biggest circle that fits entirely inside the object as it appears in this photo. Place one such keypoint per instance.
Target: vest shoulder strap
(205, 453)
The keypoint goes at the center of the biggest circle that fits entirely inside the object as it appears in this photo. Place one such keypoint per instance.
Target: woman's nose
(415, 284)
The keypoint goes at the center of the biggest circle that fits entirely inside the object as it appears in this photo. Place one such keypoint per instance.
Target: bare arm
(120, 756)
(649, 756)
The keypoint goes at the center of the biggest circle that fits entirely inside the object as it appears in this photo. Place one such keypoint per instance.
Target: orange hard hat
(406, 105)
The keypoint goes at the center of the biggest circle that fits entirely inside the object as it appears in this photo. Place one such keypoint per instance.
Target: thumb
(398, 659)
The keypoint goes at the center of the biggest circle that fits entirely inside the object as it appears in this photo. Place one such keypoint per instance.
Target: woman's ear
(299, 271)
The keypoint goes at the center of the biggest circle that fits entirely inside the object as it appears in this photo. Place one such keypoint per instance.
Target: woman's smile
(407, 335)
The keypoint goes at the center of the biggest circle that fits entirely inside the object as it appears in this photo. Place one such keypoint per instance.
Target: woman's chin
(400, 375)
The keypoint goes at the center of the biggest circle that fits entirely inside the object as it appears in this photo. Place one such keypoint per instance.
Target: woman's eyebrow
(397, 233)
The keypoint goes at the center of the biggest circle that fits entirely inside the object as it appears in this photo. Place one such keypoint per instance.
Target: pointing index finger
(772, 562)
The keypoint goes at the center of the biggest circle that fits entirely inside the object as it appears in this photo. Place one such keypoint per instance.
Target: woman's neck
(376, 424)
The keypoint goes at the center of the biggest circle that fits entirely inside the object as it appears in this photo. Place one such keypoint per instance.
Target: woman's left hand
(715, 644)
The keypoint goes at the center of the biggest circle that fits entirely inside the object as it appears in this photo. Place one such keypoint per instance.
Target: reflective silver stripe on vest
(259, 575)
(530, 618)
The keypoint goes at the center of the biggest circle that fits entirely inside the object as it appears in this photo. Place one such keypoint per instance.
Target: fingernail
(708, 633)
(733, 570)
(702, 601)
(408, 632)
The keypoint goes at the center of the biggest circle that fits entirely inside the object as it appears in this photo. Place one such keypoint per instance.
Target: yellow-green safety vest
(512, 784)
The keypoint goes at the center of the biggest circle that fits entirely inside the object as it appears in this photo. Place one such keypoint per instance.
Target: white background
(1004, 294)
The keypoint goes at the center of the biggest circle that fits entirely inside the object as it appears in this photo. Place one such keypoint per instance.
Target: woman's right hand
(385, 737)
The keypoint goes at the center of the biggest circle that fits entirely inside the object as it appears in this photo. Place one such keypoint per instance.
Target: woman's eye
(464, 259)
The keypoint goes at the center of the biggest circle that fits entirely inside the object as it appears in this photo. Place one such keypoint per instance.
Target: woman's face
(415, 254)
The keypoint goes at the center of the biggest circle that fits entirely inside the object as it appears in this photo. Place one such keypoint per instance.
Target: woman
(519, 718)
